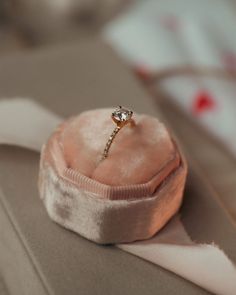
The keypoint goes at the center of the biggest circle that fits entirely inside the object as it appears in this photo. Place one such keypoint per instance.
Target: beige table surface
(38, 256)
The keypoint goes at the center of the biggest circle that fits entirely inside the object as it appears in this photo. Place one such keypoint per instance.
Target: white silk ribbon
(24, 123)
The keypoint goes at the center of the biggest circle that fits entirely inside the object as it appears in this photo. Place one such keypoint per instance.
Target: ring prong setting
(121, 115)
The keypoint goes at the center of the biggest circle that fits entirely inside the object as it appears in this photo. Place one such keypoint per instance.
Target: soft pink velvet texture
(136, 155)
(128, 196)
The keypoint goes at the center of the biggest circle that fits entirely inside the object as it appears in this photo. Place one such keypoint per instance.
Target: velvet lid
(143, 164)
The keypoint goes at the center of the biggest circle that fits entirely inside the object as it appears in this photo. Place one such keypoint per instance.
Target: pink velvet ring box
(128, 196)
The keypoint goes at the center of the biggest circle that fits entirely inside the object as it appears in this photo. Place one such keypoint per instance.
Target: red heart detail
(203, 102)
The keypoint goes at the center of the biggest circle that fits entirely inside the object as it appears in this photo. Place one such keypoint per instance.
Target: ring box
(128, 196)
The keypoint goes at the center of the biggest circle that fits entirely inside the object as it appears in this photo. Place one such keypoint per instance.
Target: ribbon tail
(25, 123)
(205, 265)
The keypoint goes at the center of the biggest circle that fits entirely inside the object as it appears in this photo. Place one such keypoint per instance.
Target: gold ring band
(121, 118)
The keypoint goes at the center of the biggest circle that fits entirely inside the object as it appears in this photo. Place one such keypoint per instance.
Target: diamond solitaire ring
(121, 117)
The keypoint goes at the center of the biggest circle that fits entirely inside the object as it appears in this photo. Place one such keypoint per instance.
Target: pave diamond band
(121, 117)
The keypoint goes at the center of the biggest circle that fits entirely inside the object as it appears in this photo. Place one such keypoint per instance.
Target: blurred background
(32, 23)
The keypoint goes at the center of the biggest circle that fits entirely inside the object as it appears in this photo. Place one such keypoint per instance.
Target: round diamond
(121, 114)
